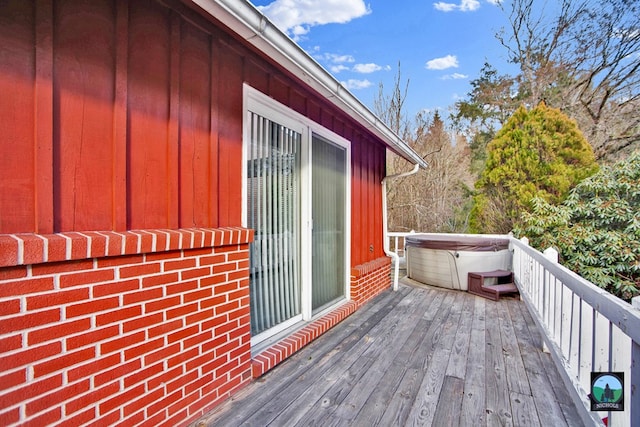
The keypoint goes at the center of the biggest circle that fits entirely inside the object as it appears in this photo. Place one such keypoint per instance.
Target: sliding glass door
(296, 201)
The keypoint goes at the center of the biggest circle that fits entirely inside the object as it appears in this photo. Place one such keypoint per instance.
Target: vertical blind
(329, 222)
(273, 211)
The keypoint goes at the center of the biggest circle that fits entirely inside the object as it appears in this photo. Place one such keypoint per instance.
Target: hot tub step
(500, 283)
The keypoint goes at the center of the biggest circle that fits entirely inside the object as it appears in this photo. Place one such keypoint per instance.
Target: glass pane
(328, 210)
(273, 211)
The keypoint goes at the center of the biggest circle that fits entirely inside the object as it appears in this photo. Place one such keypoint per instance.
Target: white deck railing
(585, 328)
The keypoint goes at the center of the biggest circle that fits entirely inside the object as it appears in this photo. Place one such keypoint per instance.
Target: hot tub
(445, 260)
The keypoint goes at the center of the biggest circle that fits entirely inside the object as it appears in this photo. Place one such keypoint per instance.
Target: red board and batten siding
(124, 115)
(123, 270)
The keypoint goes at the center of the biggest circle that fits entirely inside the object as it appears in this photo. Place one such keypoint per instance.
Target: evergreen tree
(537, 153)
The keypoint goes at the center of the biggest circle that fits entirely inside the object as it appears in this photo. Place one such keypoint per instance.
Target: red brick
(196, 385)
(143, 295)
(46, 419)
(213, 259)
(215, 279)
(117, 372)
(63, 361)
(86, 277)
(11, 273)
(199, 316)
(163, 256)
(182, 310)
(163, 353)
(9, 307)
(143, 402)
(144, 348)
(180, 264)
(114, 243)
(239, 294)
(92, 307)
(226, 308)
(181, 381)
(131, 242)
(116, 288)
(92, 337)
(56, 248)
(158, 280)
(182, 357)
(121, 399)
(23, 287)
(118, 315)
(195, 273)
(143, 375)
(57, 397)
(51, 333)
(27, 321)
(79, 245)
(162, 304)
(8, 251)
(160, 381)
(133, 420)
(197, 295)
(120, 343)
(238, 275)
(139, 270)
(225, 288)
(83, 418)
(93, 367)
(213, 302)
(199, 252)
(214, 365)
(62, 267)
(34, 389)
(33, 246)
(165, 402)
(57, 298)
(89, 399)
(182, 334)
(164, 328)
(10, 417)
(182, 287)
(13, 379)
(197, 339)
(98, 244)
(224, 268)
(118, 261)
(142, 323)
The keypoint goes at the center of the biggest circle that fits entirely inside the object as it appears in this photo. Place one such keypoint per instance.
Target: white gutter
(385, 235)
(250, 24)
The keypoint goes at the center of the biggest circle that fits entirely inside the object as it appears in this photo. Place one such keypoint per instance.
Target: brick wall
(369, 279)
(147, 327)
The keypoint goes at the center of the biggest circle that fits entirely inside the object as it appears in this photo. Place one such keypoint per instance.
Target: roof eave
(251, 25)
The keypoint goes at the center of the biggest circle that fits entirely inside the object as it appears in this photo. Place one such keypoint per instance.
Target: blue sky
(441, 46)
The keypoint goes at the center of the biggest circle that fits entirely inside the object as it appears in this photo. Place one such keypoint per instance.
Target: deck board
(418, 356)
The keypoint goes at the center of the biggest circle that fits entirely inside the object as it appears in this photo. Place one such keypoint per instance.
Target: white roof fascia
(250, 24)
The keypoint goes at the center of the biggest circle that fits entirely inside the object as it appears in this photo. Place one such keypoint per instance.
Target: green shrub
(596, 229)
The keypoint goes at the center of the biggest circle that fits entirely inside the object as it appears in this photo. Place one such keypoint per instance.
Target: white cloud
(335, 69)
(495, 2)
(296, 17)
(353, 84)
(449, 61)
(366, 68)
(454, 76)
(464, 6)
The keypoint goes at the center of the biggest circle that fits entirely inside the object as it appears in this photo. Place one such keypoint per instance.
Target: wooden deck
(418, 356)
